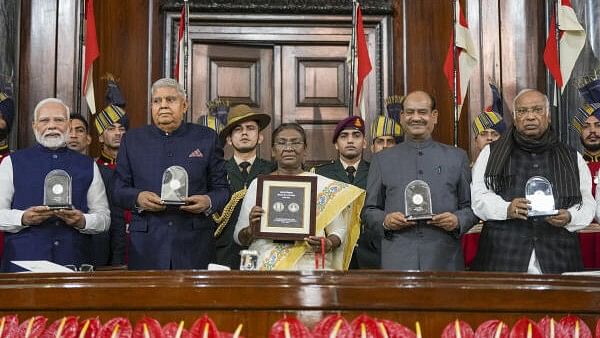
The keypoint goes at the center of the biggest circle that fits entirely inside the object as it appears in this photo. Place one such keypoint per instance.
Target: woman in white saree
(337, 222)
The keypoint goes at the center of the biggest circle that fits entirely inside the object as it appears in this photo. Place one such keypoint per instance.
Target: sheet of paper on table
(41, 266)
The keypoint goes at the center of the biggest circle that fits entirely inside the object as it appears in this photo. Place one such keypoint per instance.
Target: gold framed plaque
(290, 206)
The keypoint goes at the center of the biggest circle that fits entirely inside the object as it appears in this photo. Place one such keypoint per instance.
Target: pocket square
(196, 153)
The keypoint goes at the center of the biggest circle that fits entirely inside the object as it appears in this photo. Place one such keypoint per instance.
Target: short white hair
(528, 90)
(37, 108)
(169, 83)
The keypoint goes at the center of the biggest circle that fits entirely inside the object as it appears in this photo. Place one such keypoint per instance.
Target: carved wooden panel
(321, 82)
(239, 74)
(308, 70)
(313, 93)
(510, 39)
(235, 80)
(38, 62)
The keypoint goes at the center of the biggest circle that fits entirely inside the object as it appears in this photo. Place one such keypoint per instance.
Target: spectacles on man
(537, 110)
(81, 268)
(294, 144)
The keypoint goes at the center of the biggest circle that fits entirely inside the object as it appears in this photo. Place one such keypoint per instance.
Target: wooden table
(258, 299)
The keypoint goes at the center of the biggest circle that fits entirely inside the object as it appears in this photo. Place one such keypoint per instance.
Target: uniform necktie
(244, 165)
(350, 170)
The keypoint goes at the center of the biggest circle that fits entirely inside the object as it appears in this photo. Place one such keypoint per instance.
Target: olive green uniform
(227, 249)
(367, 253)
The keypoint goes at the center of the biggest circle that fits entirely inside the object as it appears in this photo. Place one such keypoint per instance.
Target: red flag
(91, 54)
(572, 40)
(362, 54)
(466, 53)
(551, 53)
(178, 72)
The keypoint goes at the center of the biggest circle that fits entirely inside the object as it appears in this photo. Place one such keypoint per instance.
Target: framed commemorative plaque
(290, 206)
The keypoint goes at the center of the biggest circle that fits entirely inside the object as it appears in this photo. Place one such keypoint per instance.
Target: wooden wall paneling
(235, 80)
(428, 31)
(158, 31)
(321, 82)
(398, 63)
(484, 23)
(240, 74)
(67, 52)
(37, 67)
(522, 41)
(122, 28)
(280, 32)
(265, 86)
(199, 91)
(317, 111)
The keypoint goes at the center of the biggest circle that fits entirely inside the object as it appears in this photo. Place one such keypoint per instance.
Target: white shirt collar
(346, 165)
(239, 160)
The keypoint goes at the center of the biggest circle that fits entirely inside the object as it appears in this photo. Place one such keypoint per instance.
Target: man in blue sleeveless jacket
(32, 230)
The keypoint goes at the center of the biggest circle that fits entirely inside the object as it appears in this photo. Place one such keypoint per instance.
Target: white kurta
(487, 205)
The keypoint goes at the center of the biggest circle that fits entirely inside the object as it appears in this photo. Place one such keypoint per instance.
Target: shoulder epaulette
(324, 164)
(321, 165)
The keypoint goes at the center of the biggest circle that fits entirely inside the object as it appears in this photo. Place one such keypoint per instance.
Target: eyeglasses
(537, 110)
(81, 268)
(291, 144)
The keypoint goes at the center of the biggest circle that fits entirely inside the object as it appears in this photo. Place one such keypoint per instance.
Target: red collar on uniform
(591, 158)
(4, 152)
(106, 159)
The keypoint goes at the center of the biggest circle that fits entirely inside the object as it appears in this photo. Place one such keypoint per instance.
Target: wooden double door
(306, 84)
(290, 66)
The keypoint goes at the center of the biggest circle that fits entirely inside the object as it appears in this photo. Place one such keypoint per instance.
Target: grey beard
(52, 143)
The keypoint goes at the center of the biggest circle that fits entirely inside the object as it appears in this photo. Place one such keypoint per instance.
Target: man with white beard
(32, 230)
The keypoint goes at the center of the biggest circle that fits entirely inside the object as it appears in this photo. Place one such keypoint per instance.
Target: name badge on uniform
(538, 190)
(417, 201)
(174, 189)
(57, 190)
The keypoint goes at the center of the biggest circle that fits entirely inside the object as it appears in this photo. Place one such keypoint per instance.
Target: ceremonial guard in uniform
(350, 141)
(385, 133)
(489, 125)
(393, 106)
(243, 133)
(111, 124)
(586, 123)
(7, 112)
